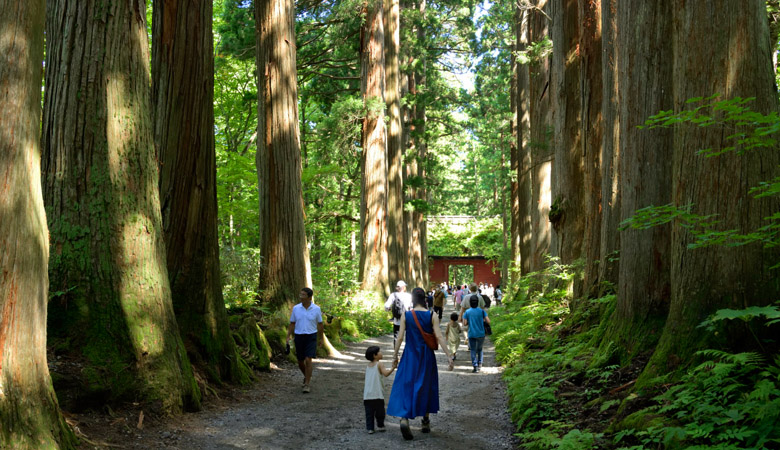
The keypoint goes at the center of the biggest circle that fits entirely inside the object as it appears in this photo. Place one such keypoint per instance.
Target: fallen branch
(620, 388)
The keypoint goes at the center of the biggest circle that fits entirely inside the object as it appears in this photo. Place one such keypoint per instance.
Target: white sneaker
(370, 431)
(381, 429)
(306, 389)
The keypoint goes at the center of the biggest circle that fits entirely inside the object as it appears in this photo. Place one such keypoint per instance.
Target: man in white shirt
(306, 325)
(406, 302)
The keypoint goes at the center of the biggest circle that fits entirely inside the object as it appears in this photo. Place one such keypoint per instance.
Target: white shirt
(406, 300)
(306, 320)
(374, 388)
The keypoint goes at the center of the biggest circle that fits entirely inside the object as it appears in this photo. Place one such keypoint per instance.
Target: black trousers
(374, 409)
(395, 333)
(439, 310)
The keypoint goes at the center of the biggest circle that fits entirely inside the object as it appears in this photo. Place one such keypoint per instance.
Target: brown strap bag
(429, 338)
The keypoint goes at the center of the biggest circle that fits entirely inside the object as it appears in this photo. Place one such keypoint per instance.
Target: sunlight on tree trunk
(285, 265)
(102, 202)
(30, 417)
(373, 205)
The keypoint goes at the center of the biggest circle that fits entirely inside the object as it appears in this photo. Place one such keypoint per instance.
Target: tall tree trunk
(285, 267)
(373, 201)
(540, 144)
(183, 99)
(645, 81)
(720, 47)
(609, 238)
(103, 207)
(514, 155)
(396, 245)
(523, 164)
(568, 212)
(591, 132)
(29, 412)
(421, 145)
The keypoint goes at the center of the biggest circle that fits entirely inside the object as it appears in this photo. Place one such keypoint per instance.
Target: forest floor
(274, 414)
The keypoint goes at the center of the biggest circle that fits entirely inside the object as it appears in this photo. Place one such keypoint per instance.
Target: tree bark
(285, 267)
(609, 238)
(396, 244)
(183, 99)
(103, 207)
(29, 413)
(514, 156)
(568, 216)
(523, 163)
(591, 131)
(540, 142)
(373, 205)
(721, 47)
(645, 81)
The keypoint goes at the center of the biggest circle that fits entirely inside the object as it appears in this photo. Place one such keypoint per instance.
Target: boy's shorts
(305, 346)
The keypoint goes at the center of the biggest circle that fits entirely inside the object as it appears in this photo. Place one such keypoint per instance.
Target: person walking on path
(466, 303)
(416, 386)
(374, 389)
(398, 302)
(475, 318)
(306, 325)
(438, 302)
(453, 335)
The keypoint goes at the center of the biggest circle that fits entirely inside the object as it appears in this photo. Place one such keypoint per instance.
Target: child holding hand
(374, 389)
(452, 335)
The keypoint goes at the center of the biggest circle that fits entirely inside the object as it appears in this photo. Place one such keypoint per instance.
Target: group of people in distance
(415, 390)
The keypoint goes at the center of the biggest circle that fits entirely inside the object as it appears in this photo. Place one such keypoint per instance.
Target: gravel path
(276, 415)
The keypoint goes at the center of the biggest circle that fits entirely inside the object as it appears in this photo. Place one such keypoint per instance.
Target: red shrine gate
(485, 271)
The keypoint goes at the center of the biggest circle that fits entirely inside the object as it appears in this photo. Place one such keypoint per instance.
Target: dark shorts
(305, 346)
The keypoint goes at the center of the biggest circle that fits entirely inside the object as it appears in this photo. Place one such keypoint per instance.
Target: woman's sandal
(405, 430)
(426, 426)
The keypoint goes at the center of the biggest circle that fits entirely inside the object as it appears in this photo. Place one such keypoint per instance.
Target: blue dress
(416, 385)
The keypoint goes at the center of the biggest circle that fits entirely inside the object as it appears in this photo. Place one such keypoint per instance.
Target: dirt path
(276, 415)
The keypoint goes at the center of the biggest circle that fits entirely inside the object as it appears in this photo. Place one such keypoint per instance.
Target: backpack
(486, 299)
(398, 306)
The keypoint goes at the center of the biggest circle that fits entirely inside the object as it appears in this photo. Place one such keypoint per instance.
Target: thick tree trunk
(524, 166)
(421, 145)
(285, 267)
(609, 238)
(396, 244)
(645, 80)
(514, 158)
(29, 413)
(722, 47)
(592, 132)
(568, 212)
(183, 99)
(373, 204)
(540, 144)
(102, 202)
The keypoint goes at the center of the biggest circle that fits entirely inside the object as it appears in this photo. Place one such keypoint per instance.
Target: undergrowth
(566, 394)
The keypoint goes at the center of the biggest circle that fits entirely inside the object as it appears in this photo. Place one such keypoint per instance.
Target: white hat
(400, 283)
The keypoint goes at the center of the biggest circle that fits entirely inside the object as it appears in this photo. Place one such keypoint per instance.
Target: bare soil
(274, 413)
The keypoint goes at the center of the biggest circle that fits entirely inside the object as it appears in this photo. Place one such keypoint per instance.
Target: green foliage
(535, 52)
(772, 313)
(729, 401)
(483, 236)
(362, 314)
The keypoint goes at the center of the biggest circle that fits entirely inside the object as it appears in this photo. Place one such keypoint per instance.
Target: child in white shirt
(374, 389)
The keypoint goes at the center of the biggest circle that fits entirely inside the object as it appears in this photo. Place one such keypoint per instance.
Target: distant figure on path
(438, 302)
(416, 387)
(306, 325)
(374, 389)
(453, 335)
(398, 303)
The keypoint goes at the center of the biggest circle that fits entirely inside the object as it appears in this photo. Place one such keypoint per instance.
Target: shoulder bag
(429, 338)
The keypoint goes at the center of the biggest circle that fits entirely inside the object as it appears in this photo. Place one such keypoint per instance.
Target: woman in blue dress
(416, 386)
